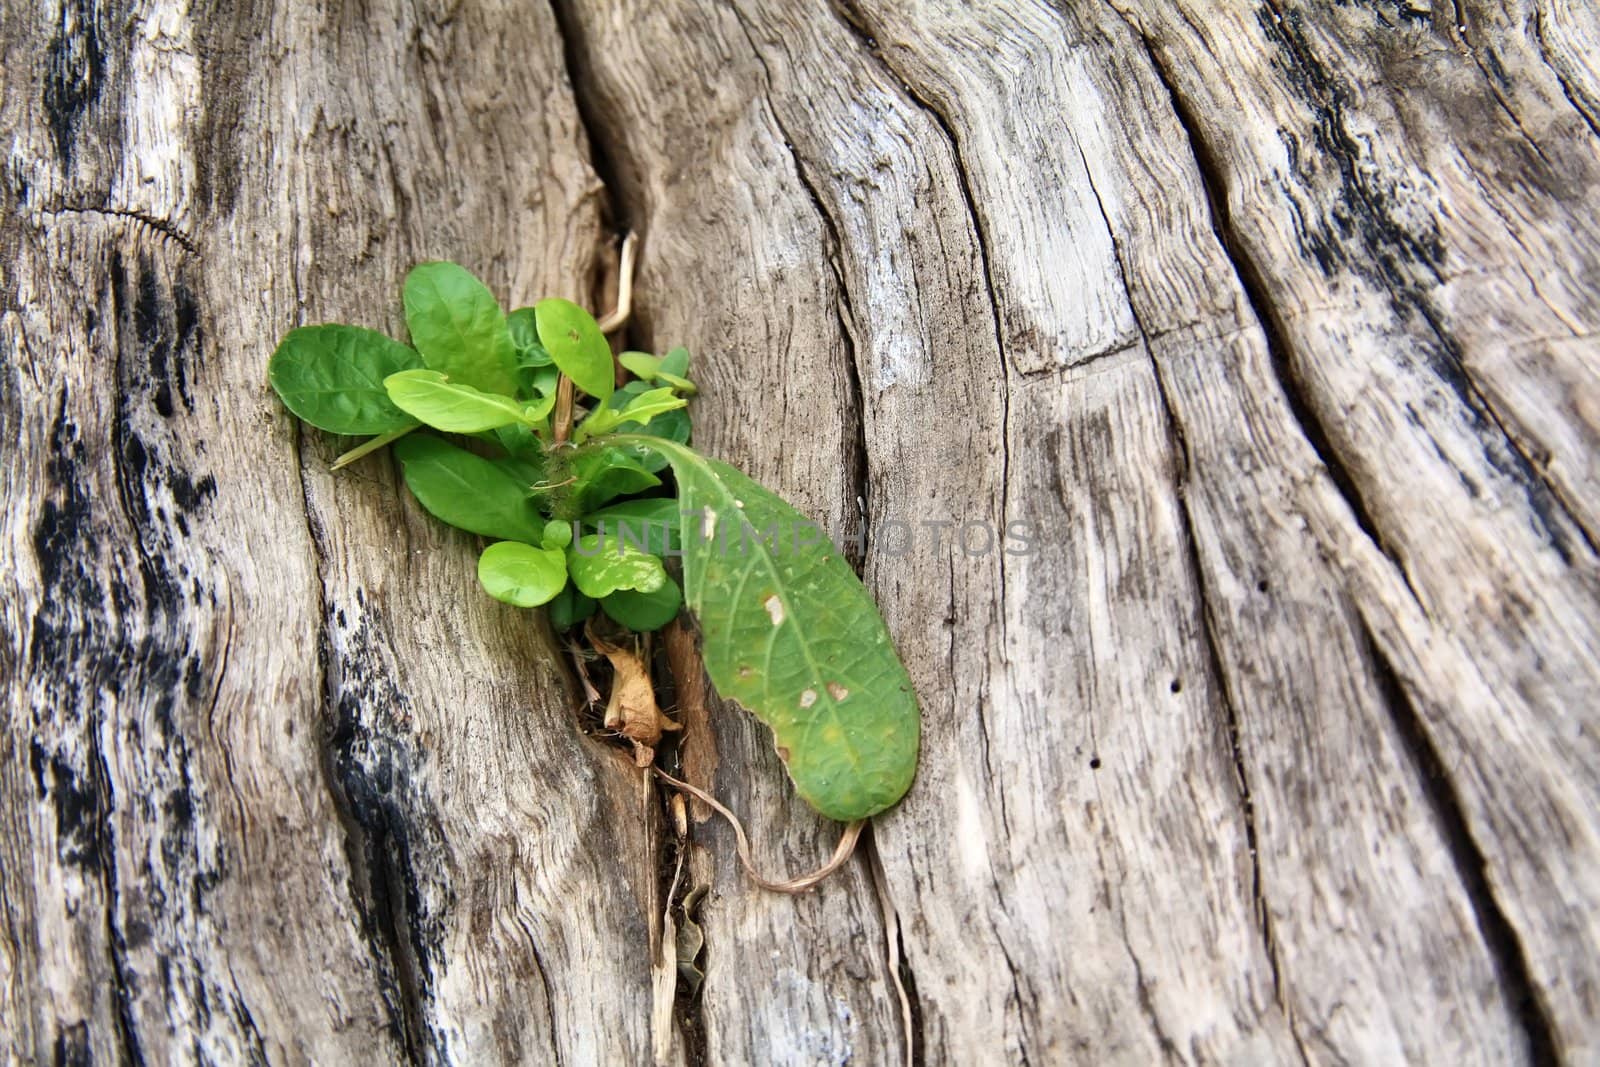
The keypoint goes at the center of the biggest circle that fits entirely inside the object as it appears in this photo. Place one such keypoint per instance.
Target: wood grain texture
(1273, 325)
(273, 787)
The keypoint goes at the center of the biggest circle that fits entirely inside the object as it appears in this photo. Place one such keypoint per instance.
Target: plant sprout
(513, 427)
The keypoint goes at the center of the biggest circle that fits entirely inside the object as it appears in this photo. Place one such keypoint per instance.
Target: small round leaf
(522, 574)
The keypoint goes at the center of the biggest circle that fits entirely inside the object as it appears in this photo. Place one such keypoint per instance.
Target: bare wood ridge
(1469, 860)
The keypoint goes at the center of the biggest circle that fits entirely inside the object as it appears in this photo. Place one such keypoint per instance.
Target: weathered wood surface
(1274, 321)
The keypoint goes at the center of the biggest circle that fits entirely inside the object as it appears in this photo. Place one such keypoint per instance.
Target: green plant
(512, 427)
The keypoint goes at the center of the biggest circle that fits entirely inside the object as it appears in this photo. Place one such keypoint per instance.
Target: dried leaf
(632, 710)
(691, 941)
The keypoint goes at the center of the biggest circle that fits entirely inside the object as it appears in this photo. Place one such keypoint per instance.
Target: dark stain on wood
(375, 765)
(75, 69)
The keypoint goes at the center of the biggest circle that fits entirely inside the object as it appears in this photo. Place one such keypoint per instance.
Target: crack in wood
(544, 983)
(1392, 250)
(849, 14)
(1225, 697)
(610, 155)
(1203, 594)
(161, 230)
(381, 929)
(161, 325)
(901, 972)
(1584, 109)
(126, 1026)
(1506, 950)
(607, 146)
(1213, 178)
(859, 461)
(1471, 865)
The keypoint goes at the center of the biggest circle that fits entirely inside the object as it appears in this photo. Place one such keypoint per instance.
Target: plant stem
(609, 324)
(563, 419)
(368, 447)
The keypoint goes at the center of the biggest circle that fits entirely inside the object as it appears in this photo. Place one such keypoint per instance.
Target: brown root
(841, 854)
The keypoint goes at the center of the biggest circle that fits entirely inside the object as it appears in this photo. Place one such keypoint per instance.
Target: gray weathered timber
(273, 787)
(1273, 322)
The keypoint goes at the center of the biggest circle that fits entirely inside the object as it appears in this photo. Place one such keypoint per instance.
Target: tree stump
(1267, 330)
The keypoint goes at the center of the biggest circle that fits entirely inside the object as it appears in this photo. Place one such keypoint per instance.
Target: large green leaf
(458, 326)
(332, 377)
(575, 342)
(466, 490)
(791, 633)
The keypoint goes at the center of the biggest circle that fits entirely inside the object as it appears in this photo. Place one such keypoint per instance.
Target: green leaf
(522, 443)
(538, 381)
(569, 608)
(575, 342)
(682, 385)
(557, 534)
(672, 425)
(791, 633)
(524, 330)
(332, 377)
(458, 326)
(602, 474)
(668, 369)
(649, 524)
(662, 511)
(640, 409)
(641, 365)
(521, 574)
(456, 408)
(527, 470)
(539, 410)
(600, 566)
(468, 491)
(643, 612)
(676, 361)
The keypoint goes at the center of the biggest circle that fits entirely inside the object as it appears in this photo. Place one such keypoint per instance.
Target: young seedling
(511, 426)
